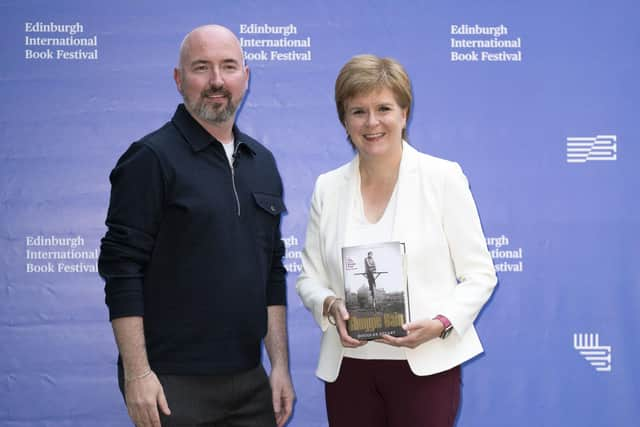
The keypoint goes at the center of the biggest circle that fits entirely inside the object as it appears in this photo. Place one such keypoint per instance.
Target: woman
(391, 192)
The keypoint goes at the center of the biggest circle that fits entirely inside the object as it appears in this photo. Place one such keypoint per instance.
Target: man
(192, 257)
(370, 271)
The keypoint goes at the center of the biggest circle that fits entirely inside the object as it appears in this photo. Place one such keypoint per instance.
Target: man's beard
(211, 112)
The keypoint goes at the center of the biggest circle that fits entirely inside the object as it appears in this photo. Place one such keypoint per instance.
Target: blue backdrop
(538, 101)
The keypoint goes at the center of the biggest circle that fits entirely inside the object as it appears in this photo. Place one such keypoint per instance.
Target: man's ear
(178, 79)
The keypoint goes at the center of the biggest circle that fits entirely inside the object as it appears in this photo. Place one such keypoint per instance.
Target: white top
(361, 232)
(228, 149)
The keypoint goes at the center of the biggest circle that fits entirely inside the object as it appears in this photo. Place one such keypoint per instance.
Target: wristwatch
(448, 327)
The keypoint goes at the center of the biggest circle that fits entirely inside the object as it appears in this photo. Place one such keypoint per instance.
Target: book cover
(375, 289)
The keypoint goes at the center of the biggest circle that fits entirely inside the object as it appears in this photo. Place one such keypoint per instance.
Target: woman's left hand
(418, 332)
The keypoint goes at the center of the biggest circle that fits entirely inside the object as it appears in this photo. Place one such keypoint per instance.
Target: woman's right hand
(337, 310)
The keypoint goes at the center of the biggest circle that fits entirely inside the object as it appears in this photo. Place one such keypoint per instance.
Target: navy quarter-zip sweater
(194, 247)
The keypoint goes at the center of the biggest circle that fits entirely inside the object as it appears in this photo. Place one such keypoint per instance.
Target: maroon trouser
(385, 393)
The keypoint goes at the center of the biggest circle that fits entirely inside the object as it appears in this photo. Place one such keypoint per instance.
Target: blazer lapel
(407, 216)
(343, 200)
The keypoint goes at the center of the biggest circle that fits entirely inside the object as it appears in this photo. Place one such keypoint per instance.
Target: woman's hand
(336, 309)
(418, 332)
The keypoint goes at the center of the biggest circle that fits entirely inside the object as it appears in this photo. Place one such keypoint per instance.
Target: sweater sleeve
(277, 282)
(133, 218)
(276, 286)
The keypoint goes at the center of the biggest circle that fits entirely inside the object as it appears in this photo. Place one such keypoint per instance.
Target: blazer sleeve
(471, 260)
(313, 282)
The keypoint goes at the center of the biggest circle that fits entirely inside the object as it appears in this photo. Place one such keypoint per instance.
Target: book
(376, 289)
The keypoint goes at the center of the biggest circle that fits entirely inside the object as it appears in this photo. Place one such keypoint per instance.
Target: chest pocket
(268, 208)
(271, 204)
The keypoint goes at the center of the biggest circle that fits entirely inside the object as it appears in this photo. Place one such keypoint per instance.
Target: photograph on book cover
(375, 289)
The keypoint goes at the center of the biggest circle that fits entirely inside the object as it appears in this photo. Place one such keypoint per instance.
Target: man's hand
(276, 344)
(282, 395)
(143, 397)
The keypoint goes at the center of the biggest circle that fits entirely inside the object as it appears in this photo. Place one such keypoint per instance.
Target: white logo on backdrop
(292, 259)
(588, 345)
(505, 257)
(583, 149)
(265, 42)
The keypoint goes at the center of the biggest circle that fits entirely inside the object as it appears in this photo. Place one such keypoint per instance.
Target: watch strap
(448, 327)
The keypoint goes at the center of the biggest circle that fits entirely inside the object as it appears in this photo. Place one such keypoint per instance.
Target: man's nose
(215, 78)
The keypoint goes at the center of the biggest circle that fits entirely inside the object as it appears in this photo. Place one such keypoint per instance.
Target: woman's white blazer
(449, 269)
